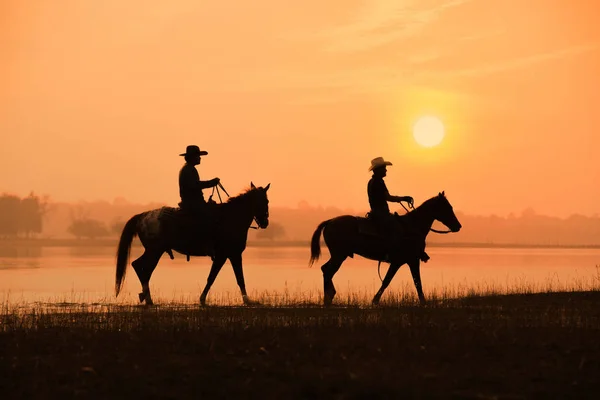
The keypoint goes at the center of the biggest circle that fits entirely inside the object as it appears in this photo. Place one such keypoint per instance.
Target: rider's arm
(398, 199)
(208, 184)
(189, 177)
(389, 197)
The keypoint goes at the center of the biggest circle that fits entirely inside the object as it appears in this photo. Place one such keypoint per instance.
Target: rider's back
(189, 188)
(377, 192)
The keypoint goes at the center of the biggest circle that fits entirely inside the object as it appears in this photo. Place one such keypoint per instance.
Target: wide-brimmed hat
(193, 150)
(378, 162)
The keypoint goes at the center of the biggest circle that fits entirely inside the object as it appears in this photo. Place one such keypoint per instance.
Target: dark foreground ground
(501, 347)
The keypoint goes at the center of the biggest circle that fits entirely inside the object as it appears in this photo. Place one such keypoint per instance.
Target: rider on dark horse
(380, 211)
(192, 199)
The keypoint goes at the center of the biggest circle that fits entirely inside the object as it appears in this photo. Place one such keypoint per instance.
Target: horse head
(260, 205)
(443, 212)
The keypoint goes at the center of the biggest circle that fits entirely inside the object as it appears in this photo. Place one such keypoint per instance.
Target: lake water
(86, 275)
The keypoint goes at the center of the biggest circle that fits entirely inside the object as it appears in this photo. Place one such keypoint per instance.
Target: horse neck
(240, 211)
(422, 218)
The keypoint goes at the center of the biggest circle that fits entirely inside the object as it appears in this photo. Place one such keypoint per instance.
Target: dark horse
(347, 235)
(160, 232)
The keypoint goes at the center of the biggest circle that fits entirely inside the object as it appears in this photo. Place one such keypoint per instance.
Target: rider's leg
(207, 232)
(400, 235)
(391, 239)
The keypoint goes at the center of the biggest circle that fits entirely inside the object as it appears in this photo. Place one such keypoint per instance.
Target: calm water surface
(86, 275)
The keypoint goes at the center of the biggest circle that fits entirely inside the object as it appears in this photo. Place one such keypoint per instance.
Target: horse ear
(252, 185)
(267, 187)
(443, 193)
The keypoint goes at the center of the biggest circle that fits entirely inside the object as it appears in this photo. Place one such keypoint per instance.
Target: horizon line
(297, 207)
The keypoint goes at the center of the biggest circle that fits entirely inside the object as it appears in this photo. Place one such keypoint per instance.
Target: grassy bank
(500, 346)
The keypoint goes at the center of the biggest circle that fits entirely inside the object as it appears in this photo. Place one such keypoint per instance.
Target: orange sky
(97, 98)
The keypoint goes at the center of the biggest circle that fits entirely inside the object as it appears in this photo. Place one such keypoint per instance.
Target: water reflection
(86, 274)
(12, 256)
(87, 251)
(12, 251)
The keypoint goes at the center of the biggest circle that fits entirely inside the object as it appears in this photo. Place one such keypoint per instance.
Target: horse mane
(243, 195)
(423, 206)
(427, 202)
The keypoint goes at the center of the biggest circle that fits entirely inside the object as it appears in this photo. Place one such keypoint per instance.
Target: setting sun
(428, 131)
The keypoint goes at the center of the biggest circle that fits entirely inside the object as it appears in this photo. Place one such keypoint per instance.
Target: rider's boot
(209, 248)
(392, 250)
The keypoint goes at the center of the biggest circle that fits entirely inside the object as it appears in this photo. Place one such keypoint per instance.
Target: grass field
(518, 345)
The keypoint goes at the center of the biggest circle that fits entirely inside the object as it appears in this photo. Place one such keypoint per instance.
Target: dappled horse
(162, 230)
(347, 235)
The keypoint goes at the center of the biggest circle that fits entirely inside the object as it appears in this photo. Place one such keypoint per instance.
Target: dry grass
(482, 342)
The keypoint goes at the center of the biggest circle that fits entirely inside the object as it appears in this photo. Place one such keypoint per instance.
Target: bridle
(431, 229)
(216, 188)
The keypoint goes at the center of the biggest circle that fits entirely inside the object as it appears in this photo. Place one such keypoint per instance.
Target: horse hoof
(249, 302)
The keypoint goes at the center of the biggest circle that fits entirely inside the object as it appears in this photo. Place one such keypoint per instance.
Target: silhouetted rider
(378, 200)
(190, 185)
(190, 189)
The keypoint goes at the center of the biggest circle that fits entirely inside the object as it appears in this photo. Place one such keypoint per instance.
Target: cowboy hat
(378, 162)
(193, 150)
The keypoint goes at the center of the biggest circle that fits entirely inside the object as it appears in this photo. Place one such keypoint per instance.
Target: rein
(431, 229)
(219, 185)
(218, 193)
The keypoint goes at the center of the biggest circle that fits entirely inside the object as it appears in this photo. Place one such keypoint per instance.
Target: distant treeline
(22, 216)
(35, 216)
(25, 217)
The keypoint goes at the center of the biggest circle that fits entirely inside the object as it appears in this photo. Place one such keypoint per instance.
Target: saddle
(369, 226)
(190, 229)
(183, 218)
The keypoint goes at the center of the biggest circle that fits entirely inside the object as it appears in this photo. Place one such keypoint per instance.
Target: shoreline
(113, 242)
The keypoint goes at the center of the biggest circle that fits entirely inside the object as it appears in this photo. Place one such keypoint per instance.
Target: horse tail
(127, 236)
(315, 243)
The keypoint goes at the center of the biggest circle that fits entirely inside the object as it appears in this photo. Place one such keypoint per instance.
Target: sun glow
(428, 131)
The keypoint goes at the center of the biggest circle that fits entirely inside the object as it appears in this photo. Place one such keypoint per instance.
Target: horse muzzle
(456, 228)
(262, 224)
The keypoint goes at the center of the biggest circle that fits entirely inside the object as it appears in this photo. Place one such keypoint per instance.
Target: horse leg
(328, 288)
(138, 267)
(236, 263)
(144, 267)
(386, 282)
(329, 269)
(415, 270)
(214, 271)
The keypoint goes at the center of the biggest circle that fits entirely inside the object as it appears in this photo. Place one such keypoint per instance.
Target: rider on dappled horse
(192, 204)
(379, 196)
